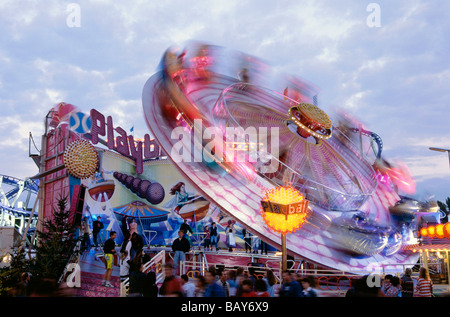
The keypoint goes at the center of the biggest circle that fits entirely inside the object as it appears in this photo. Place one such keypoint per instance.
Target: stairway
(91, 286)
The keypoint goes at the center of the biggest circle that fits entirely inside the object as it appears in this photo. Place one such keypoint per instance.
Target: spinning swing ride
(285, 138)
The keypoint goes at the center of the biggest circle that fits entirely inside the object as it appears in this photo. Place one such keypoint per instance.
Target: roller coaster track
(374, 137)
(17, 197)
(14, 189)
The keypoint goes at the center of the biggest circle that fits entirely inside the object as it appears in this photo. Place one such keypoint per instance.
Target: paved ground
(92, 271)
(89, 263)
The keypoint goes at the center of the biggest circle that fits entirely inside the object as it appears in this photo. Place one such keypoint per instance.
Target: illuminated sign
(290, 209)
(284, 209)
(122, 142)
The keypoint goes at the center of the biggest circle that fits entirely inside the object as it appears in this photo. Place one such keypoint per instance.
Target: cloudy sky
(386, 64)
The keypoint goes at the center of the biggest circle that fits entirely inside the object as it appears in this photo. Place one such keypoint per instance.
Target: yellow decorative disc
(311, 120)
(316, 114)
(81, 159)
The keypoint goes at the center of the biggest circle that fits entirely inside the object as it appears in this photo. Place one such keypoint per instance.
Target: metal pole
(442, 150)
(448, 267)
(283, 251)
(448, 157)
(425, 259)
(24, 234)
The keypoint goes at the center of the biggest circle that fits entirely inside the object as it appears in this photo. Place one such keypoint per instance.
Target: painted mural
(158, 201)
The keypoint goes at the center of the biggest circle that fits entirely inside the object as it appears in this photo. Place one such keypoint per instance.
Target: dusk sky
(386, 63)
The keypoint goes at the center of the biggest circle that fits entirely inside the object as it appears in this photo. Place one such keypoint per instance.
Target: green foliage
(56, 243)
(10, 276)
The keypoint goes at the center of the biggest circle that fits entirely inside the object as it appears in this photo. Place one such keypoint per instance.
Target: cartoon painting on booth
(158, 201)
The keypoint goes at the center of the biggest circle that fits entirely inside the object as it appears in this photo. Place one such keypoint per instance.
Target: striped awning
(139, 209)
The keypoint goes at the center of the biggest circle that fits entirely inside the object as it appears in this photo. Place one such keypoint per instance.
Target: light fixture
(284, 210)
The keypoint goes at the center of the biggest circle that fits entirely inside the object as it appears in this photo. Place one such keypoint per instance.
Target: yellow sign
(284, 209)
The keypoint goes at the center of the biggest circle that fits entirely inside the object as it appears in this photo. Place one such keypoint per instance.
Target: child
(307, 290)
(246, 288)
(261, 288)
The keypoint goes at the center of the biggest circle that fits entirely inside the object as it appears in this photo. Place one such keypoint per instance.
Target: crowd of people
(214, 283)
(221, 282)
(393, 286)
(233, 283)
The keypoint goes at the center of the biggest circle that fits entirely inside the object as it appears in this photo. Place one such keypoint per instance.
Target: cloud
(393, 78)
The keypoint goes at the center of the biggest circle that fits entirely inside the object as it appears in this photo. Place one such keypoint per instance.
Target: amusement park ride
(350, 225)
(17, 212)
(359, 212)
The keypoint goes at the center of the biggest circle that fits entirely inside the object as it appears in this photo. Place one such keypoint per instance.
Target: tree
(10, 275)
(56, 243)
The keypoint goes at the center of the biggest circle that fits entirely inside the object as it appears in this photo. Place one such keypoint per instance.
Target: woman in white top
(125, 257)
(231, 241)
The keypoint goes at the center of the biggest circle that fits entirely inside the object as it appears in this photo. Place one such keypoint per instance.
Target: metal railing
(156, 264)
(329, 282)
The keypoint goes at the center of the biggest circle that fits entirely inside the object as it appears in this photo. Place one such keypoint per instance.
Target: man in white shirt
(187, 286)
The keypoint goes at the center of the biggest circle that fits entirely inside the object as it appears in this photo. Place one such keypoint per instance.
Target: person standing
(126, 246)
(290, 287)
(86, 234)
(231, 242)
(248, 240)
(133, 226)
(180, 246)
(270, 280)
(21, 289)
(137, 244)
(247, 288)
(407, 284)
(125, 225)
(187, 286)
(185, 227)
(150, 289)
(424, 287)
(214, 235)
(264, 247)
(187, 230)
(223, 282)
(171, 286)
(232, 282)
(207, 240)
(307, 291)
(97, 226)
(260, 288)
(200, 286)
(125, 257)
(137, 280)
(213, 289)
(395, 289)
(386, 283)
(109, 249)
